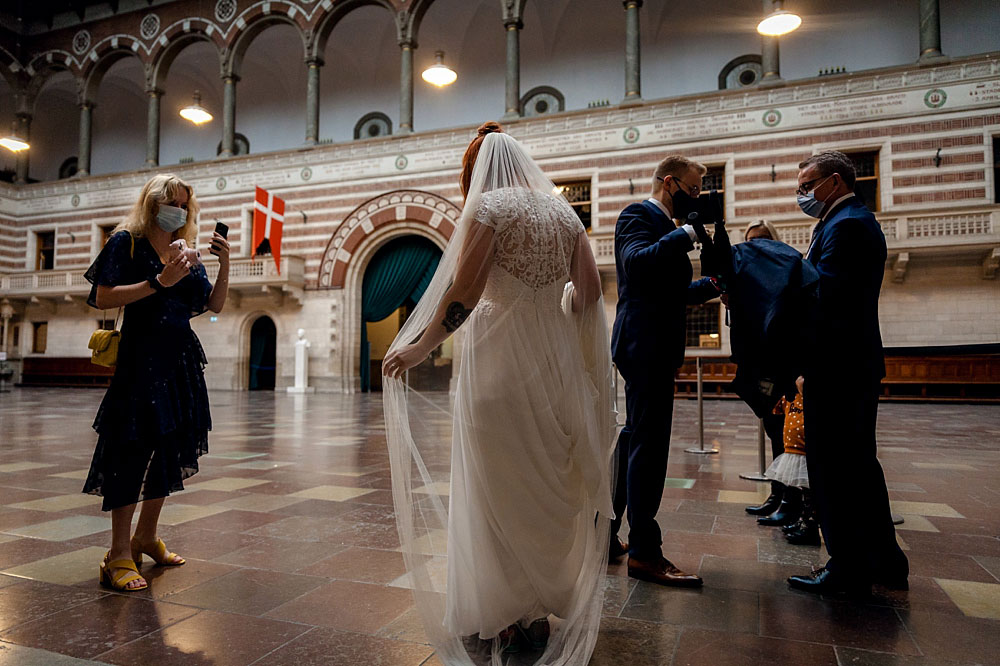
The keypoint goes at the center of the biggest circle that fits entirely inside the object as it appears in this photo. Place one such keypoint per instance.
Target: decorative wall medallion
(81, 42)
(220, 184)
(401, 162)
(75, 201)
(771, 118)
(935, 99)
(631, 134)
(150, 26)
(306, 173)
(225, 10)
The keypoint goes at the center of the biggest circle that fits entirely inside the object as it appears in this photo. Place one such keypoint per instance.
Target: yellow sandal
(158, 552)
(126, 573)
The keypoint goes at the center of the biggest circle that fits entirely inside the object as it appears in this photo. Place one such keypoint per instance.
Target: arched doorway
(263, 348)
(394, 281)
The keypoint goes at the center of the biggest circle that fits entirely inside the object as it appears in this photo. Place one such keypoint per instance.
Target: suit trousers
(642, 449)
(847, 480)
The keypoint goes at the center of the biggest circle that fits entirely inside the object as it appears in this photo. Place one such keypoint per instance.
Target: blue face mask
(809, 204)
(171, 218)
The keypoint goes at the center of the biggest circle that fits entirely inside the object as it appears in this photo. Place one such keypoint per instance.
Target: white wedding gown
(523, 532)
(521, 472)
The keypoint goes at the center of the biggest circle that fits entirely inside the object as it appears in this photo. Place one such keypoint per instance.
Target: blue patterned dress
(154, 420)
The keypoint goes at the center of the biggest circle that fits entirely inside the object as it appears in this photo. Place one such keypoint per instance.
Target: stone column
(406, 87)
(312, 101)
(513, 97)
(769, 51)
(83, 159)
(633, 86)
(930, 32)
(228, 115)
(153, 127)
(23, 157)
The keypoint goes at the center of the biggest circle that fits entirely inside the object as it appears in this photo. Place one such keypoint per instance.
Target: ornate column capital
(629, 4)
(315, 61)
(513, 23)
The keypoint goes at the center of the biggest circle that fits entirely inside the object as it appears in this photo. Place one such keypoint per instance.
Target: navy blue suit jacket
(848, 250)
(654, 288)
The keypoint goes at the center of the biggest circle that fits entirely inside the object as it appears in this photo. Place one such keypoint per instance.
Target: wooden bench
(960, 377)
(970, 373)
(63, 371)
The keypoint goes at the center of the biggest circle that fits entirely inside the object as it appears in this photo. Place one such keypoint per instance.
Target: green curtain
(398, 273)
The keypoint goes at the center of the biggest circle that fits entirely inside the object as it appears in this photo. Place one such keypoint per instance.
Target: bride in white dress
(510, 566)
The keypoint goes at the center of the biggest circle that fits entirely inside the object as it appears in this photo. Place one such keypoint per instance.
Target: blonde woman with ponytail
(154, 420)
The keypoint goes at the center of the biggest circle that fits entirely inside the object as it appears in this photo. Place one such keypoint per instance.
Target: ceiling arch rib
(327, 22)
(254, 26)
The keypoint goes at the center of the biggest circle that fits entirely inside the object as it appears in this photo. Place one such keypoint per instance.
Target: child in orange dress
(790, 469)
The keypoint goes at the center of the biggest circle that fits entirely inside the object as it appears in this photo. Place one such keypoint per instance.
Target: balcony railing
(244, 275)
(977, 228)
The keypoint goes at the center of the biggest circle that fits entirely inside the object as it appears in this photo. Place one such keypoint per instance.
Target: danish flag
(268, 218)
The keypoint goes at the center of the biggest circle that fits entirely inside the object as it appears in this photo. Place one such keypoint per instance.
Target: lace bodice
(535, 234)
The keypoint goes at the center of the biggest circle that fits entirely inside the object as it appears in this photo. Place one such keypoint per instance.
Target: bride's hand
(401, 360)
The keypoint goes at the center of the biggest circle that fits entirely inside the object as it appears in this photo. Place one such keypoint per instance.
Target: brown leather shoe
(617, 549)
(662, 572)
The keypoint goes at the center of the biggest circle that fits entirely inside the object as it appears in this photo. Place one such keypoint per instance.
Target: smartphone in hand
(222, 230)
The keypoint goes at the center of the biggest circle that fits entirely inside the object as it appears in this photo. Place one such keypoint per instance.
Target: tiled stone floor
(290, 540)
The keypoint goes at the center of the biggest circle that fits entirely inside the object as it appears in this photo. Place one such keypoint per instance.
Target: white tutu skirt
(789, 469)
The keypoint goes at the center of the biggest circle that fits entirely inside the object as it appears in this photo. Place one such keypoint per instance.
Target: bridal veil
(503, 513)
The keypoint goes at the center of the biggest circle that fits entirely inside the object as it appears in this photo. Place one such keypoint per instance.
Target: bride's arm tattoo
(455, 316)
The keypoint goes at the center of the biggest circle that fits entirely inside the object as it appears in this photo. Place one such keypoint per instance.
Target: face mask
(171, 218)
(683, 204)
(809, 204)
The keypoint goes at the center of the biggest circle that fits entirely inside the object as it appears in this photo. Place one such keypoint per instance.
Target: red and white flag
(268, 218)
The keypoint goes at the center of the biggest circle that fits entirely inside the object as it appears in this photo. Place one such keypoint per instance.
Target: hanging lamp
(439, 74)
(195, 112)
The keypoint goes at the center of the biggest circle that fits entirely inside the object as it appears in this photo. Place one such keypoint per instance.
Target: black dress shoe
(771, 503)
(825, 582)
(788, 511)
(804, 534)
(806, 531)
(617, 549)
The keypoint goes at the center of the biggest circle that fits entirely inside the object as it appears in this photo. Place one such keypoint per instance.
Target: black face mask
(683, 204)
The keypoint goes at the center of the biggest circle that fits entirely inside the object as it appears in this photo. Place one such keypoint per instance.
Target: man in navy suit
(647, 345)
(844, 368)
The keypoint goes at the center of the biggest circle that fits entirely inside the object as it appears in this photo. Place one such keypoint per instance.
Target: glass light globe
(195, 112)
(779, 23)
(439, 74)
(14, 143)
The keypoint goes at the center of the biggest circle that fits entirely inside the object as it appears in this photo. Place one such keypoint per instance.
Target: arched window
(741, 72)
(373, 125)
(542, 100)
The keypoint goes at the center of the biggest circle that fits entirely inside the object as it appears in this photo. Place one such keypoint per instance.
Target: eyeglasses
(693, 190)
(808, 186)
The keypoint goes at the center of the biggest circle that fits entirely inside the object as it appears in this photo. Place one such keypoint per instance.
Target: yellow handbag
(104, 343)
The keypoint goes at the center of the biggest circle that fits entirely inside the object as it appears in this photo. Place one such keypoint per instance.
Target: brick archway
(402, 206)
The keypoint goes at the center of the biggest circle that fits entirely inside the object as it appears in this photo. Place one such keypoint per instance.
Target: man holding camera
(647, 345)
